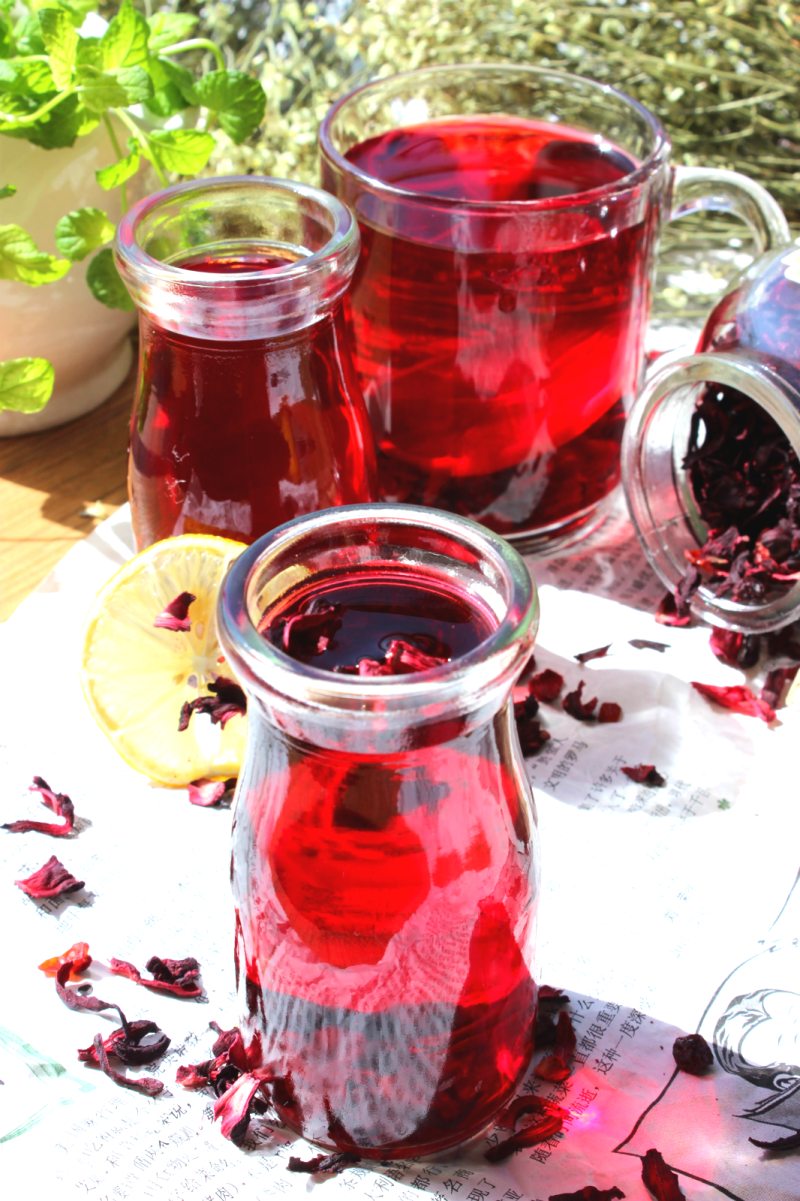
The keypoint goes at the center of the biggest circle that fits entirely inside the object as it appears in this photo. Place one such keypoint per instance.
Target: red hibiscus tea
(384, 857)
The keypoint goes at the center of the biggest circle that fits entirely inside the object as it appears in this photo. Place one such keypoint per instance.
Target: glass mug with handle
(509, 219)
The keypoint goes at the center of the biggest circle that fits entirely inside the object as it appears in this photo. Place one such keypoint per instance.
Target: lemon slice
(137, 677)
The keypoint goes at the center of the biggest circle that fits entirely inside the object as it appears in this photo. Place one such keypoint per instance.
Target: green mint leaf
(59, 128)
(80, 232)
(77, 9)
(185, 151)
(7, 190)
(137, 83)
(164, 71)
(168, 28)
(26, 77)
(237, 99)
(105, 283)
(28, 36)
(20, 259)
(100, 90)
(6, 38)
(117, 173)
(124, 43)
(90, 53)
(166, 101)
(60, 39)
(26, 385)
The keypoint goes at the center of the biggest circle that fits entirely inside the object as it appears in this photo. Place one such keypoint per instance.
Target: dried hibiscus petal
(590, 1193)
(523, 1106)
(774, 684)
(536, 1132)
(737, 698)
(790, 1143)
(582, 710)
(207, 792)
(599, 652)
(668, 614)
(609, 711)
(531, 733)
(307, 633)
(735, 649)
(546, 685)
(176, 976)
(227, 700)
(644, 644)
(77, 957)
(144, 1084)
(660, 1179)
(556, 1067)
(61, 805)
(403, 657)
(126, 1044)
(50, 880)
(645, 773)
(692, 1054)
(175, 616)
(332, 1164)
(554, 995)
(76, 1000)
(235, 1104)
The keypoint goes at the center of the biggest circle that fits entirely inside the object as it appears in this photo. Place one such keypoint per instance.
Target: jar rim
(264, 664)
(659, 153)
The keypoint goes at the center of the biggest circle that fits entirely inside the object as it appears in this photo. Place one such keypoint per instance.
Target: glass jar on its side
(749, 352)
(385, 861)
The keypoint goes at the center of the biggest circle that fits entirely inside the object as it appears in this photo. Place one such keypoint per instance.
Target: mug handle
(698, 188)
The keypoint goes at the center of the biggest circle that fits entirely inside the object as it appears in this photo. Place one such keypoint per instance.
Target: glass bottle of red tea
(385, 854)
(711, 458)
(248, 411)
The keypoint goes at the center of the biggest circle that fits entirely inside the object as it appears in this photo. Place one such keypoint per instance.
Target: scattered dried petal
(144, 1084)
(735, 649)
(774, 684)
(548, 993)
(227, 700)
(582, 710)
(77, 956)
(609, 711)
(176, 976)
(50, 880)
(645, 773)
(789, 1143)
(599, 653)
(737, 698)
(126, 1044)
(207, 792)
(531, 733)
(692, 1054)
(75, 1000)
(644, 644)
(667, 613)
(234, 1106)
(556, 1067)
(537, 1132)
(61, 805)
(546, 685)
(590, 1193)
(332, 1164)
(520, 1107)
(660, 1179)
(175, 616)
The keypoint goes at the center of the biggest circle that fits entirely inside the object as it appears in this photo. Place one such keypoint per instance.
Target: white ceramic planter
(86, 342)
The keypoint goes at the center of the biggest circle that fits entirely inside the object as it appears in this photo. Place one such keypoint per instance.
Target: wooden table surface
(55, 487)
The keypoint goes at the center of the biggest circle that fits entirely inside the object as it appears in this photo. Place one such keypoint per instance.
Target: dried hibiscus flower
(307, 633)
(235, 1105)
(660, 1179)
(692, 1054)
(51, 880)
(207, 792)
(600, 652)
(590, 1193)
(223, 1070)
(521, 1107)
(668, 613)
(645, 773)
(176, 976)
(737, 698)
(332, 1164)
(644, 644)
(175, 616)
(227, 700)
(544, 1128)
(126, 1043)
(556, 1067)
(142, 1084)
(735, 649)
(76, 1000)
(61, 805)
(609, 711)
(578, 708)
(77, 957)
(774, 684)
(531, 733)
(546, 685)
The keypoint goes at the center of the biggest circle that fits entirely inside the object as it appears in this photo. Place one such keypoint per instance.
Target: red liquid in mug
(496, 374)
(235, 437)
(386, 944)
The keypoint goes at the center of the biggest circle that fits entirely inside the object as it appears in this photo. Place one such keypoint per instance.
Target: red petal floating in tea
(609, 711)
(50, 880)
(176, 976)
(546, 685)
(582, 710)
(645, 773)
(76, 1000)
(332, 1165)
(234, 1106)
(790, 1143)
(175, 616)
(774, 684)
(77, 957)
(228, 699)
(737, 698)
(590, 1193)
(370, 667)
(403, 657)
(61, 805)
(660, 1179)
(667, 613)
(692, 1054)
(126, 1044)
(208, 792)
(144, 1084)
(599, 653)
(537, 1132)
(306, 633)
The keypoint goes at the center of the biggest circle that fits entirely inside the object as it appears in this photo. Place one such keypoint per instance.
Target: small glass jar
(385, 860)
(248, 411)
(751, 343)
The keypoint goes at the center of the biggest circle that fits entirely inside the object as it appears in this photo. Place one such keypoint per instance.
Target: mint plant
(57, 84)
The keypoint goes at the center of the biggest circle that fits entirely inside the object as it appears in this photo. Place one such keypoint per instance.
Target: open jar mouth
(657, 486)
(439, 546)
(386, 96)
(224, 219)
